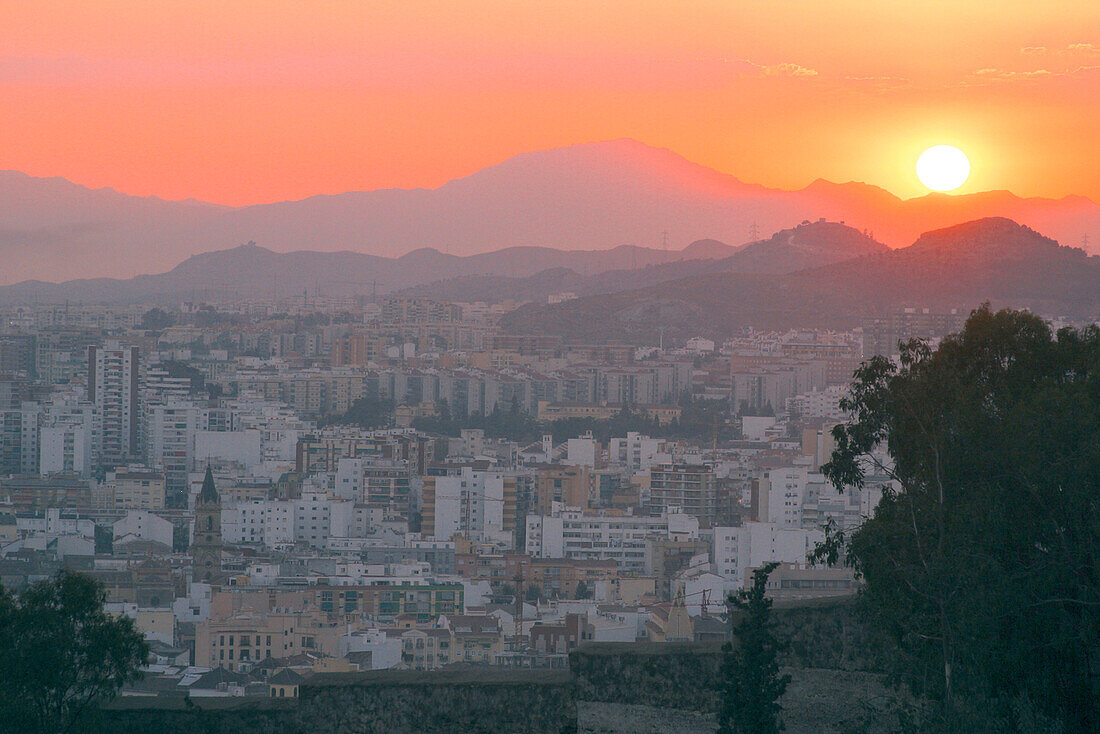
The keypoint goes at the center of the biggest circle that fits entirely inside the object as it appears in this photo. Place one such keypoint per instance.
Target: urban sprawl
(275, 489)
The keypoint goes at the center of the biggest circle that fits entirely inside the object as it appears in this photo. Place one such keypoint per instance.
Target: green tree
(368, 412)
(983, 557)
(62, 655)
(751, 683)
(583, 591)
(157, 319)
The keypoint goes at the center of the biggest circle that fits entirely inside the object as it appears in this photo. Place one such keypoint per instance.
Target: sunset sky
(249, 101)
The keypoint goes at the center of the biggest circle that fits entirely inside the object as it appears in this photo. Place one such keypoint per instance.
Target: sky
(255, 101)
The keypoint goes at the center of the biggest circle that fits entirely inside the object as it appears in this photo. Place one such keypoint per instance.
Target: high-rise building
(170, 430)
(113, 385)
(18, 355)
(479, 505)
(689, 488)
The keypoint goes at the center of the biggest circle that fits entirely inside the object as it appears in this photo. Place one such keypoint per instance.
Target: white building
(113, 372)
(699, 345)
(581, 451)
(170, 430)
(317, 517)
(269, 523)
(571, 533)
(637, 452)
(756, 543)
(195, 607)
(385, 651)
(139, 525)
(755, 428)
(819, 403)
(67, 439)
(240, 447)
(796, 497)
(471, 504)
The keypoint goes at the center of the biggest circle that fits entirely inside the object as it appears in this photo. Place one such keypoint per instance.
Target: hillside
(807, 245)
(250, 271)
(957, 267)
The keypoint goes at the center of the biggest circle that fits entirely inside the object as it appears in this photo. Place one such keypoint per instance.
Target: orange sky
(247, 101)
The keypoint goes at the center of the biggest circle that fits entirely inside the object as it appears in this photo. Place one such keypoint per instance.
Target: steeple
(209, 494)
(206, 546)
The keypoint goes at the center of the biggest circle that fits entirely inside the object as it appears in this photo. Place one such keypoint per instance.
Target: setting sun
(943, 168)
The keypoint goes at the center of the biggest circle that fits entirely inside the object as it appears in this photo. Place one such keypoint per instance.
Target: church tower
(206, 548)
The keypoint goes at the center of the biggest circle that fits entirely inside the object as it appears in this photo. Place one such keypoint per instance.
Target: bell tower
(206, 548)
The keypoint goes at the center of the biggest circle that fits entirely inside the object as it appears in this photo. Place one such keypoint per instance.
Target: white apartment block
(796, 497)
(113, 385)
(637, 452)
(753, 544)
(819, 403)
(170, 430)
(474, 504)
(571, 533)
(66, 442)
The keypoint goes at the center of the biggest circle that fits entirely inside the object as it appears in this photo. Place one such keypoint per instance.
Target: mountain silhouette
(959, 267)
(593, 196)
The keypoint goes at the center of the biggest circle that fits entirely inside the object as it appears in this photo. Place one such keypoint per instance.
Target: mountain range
(959, 267)
(251, 271)
(591, 197)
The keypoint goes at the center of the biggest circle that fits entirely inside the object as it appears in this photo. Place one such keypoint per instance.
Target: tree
(368, 412)
(751, 682)
(157, 319)
(583, 592)
(62, 655)
(983, 558)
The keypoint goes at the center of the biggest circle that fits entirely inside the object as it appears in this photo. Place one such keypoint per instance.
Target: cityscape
(483, 415)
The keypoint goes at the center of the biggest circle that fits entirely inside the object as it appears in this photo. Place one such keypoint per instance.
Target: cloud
(788, 69)
(992, 75)
(1033, 50)
(1006, 74)
(1082, 49)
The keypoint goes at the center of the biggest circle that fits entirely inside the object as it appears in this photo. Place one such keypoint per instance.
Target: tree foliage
(157, 319)
(61, 655)
(367, 412)
(752, 685)
(983, 558)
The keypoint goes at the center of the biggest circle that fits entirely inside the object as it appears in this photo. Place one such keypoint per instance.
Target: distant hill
(808, 245)
(585, 197)
(992, 259)
(256, 272)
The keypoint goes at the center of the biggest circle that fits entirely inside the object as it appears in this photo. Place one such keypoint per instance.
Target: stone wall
(820, 635)
(666, 675)
(384, 702)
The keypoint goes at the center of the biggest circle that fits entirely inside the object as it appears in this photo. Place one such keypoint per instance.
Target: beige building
(426, 649)
(240, 641)
(475, 639)
(570, 485)
(133, 489)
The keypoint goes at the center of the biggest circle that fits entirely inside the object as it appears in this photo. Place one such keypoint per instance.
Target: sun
(943, 168)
